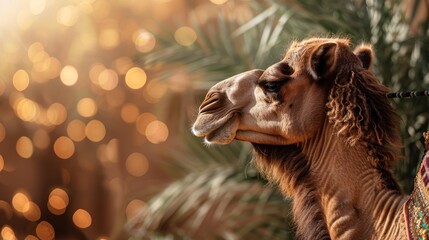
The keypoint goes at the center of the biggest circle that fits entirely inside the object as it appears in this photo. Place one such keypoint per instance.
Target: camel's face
(285, 104)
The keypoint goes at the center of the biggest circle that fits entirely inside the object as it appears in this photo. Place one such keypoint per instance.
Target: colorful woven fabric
(416, 208)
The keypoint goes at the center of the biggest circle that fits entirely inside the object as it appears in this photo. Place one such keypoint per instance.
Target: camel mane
(360, 111)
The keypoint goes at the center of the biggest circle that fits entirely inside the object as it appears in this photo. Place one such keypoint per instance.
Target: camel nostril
(212, 101)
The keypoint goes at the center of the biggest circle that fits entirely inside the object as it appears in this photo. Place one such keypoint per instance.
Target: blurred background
(98, 96)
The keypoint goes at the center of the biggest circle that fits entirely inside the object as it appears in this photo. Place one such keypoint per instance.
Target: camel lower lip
(260, 138)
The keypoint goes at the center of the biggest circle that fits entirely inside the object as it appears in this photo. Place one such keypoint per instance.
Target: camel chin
(222, 133)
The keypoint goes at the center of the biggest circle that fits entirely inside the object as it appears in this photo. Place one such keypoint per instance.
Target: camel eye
(271, 87)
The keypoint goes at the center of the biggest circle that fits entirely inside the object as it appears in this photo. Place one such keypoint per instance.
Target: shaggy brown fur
(289, 168)
(359, 110)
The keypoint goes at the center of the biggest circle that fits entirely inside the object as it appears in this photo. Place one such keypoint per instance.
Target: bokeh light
(135, 78)
(45, 231)
(108, 79)
(143, 120)
(64, 147)
(1, 163)
(33, 212)
(68, 15)
(20, 202)
(185, 36)
(133, 207)
(95, 130)
(76, 130)
(7, 233)
(58, 201)
(156, 132)
(129, 112)
(69, 75)
(21, 80)
(56, 114)
(24, 147)
(2, 132)
(86, 107)
(137, 164)
(144, 41)
(37, 6)
(82, 218)
(218, 2)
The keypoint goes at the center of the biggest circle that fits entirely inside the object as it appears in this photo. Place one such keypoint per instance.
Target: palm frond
(228, 205)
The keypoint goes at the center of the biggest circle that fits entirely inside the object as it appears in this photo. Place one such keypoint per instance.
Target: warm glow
(134, 207)
(58, 201)
(34, 51)
(143, 120)
(82, 219)
(154, 91)
(27, 109)
(69, 75)
(37, 6)
(20, 202)
(2, 132)
(1, 163)
(95, 131)
(87, 107)
(144, 41)
(185, 36)
(135, 78)
(7, 233)
(21, 80)
(108, 79)
(122, 64)
(45, 231)
(33, 213)
(68, 15)
(41, 139)
(56, 114)
(218, 2)
(109, 38)
(137, 164)
(24, 147)
(64, 147)
(156, 132)
(76, 130)
(30, 237)
(95, 72)
(129, 112)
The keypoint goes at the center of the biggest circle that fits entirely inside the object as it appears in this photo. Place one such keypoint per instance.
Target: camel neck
(352, 194)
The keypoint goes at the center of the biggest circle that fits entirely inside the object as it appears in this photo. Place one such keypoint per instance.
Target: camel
(323, 130)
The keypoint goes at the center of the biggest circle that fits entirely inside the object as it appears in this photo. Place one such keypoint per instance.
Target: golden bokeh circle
(86, 107)
(24, 147)
(82, 219)
(185, 36)
(64, 147)
(45, 231)
(156, 132)
(135, 78)
(95, 131)
(137, 164)
(76, 130)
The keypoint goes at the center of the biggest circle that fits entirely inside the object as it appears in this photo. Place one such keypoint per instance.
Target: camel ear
(323, 60)
(365, 55)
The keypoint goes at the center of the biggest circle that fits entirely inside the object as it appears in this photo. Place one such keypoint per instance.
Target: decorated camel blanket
(416, 208)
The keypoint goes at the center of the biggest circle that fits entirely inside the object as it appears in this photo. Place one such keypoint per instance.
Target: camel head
(318, 79)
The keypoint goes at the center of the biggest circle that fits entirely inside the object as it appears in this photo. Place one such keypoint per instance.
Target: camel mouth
(220, 132)
(260, 138)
